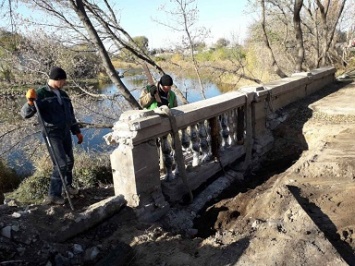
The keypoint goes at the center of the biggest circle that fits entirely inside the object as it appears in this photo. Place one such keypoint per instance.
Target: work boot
(72, 190)
(54, 200)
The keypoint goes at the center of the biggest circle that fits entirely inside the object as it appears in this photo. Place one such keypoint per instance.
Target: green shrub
(34, 188)
(9, 180)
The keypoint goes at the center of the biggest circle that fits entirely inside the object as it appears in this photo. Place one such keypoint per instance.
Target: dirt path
(297, 208)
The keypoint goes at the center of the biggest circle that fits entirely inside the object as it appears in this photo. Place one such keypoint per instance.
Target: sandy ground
(297, 208)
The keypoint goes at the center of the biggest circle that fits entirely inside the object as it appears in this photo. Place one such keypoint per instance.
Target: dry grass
(90, 170)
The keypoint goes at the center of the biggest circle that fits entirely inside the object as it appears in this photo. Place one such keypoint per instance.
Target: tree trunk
(79, 9)
(274, 64)
(328, 34)
(134, 49)
(299, 35)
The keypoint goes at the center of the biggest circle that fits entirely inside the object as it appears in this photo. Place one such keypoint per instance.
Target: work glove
(153, 90)
(80, 138)
(31, 96)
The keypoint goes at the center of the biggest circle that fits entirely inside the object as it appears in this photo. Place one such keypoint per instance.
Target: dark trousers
(62, 149)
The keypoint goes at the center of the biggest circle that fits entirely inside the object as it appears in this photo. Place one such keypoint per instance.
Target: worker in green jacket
(154, 96)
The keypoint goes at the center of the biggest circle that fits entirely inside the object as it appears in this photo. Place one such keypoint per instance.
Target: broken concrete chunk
(91, 254)
(16, 215)
(6, 231)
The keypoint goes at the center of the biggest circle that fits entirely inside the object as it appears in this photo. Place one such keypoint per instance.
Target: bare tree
(98, 19)
(113, 30)
(329, 28)
(274, 64)
(81, 11)
(298, 34)
(72, 19)
(306, 42)
(184, 17)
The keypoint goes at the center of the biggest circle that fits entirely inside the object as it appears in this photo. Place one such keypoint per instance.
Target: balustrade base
(196, 176)
(150, 212)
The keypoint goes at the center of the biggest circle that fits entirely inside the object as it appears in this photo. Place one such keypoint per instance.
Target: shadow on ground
(325, 224)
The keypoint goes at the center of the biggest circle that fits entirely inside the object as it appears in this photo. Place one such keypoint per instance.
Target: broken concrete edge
(153, 212)
(182, 220)
(94, 215)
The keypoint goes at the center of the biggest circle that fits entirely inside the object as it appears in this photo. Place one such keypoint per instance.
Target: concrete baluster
(185, 139)
(224, 131)
(215, 137)
(232, 127)
(195, 143)
(240, 126)
(204, 145)
(167, 157)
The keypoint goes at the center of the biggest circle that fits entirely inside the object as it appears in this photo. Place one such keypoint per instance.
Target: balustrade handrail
(137, 126)
(141, 125)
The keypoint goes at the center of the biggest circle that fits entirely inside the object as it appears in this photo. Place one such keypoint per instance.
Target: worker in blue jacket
(57, 113)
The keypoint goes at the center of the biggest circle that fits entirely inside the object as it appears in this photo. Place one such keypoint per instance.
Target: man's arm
(74, 128)
(146, 99)
(27, 111)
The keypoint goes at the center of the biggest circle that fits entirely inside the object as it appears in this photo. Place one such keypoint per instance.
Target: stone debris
(16, 215)
(78, 249)
(19, 238)
(91, 254)
(6, 231)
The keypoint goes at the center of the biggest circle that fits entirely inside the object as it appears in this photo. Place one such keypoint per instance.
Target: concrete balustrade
(136, 161)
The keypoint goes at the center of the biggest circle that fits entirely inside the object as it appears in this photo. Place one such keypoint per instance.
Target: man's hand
(153, 90)
(31, 96)
(80, 138)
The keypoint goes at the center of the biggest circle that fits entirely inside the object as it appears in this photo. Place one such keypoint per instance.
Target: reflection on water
(189, 87)
(98, 111)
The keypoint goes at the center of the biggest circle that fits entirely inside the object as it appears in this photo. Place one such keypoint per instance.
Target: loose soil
(295, 208)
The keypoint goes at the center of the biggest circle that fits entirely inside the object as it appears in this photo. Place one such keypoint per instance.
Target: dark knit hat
(166, 80)
(57, 73)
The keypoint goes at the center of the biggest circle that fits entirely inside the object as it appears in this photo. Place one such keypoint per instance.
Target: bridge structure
(201, 138)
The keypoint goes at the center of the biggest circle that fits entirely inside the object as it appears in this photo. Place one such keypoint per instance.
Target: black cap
(57, 73)
(166, 80)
